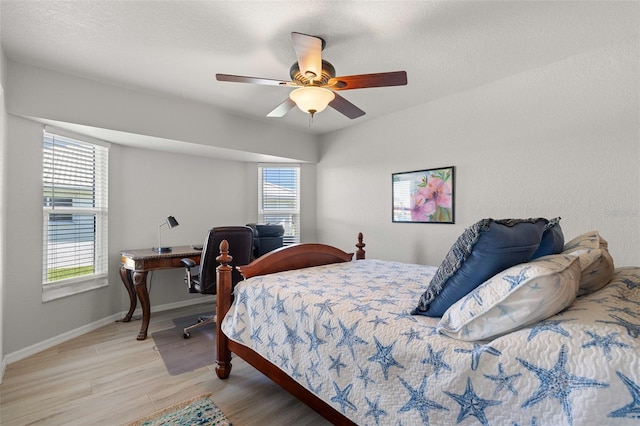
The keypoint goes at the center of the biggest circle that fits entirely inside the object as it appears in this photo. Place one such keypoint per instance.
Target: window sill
(57, 291)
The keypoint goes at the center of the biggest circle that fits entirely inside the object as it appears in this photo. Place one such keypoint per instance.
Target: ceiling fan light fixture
(312, 99)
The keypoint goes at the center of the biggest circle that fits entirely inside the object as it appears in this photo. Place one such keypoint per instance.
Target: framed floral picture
(424, 196)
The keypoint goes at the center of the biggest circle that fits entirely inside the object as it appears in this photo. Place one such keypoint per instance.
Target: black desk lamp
(170, 222)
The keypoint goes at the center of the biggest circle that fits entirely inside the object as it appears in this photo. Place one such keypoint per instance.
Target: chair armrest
(188, 263)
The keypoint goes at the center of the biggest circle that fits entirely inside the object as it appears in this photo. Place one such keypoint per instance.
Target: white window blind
(75, 212)
(279, 199)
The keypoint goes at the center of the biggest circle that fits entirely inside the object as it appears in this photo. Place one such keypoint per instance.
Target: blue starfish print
(626, 299)
(385, 301)
(471, 404)
(404, 315)
(436, 359)
(329, 329)
(630, 283)
(342, 397)
(506, 311)
(302, 312)
(604, 342)
(284, 360)
(243, 299)
(377, 287)
(268, 319)
(412, 335)
(295, 372)
(237, 334)
(263, 296)
(336, 363)
(384, 357)
(515, 280)
(272, 343)
(418, 401)
(364, 376)
(314, 342)
(477, 351)
(377, 321)
(310, 386)
(626, 310)
(363, 308)
(374, 409)
(631, 410)
(558, 383)
(254, 312)
(317, 291)
(349, 337)
(325, 307)
(256, 335)
(292, 338)
(549, 325)
(503, 380)
(313, 368)
(633, 330)
(279, 306)
(474, 295)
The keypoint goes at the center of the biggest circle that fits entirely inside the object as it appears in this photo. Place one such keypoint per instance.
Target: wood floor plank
(107, 377)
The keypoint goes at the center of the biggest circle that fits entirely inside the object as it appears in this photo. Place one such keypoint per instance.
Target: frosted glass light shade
(312, 99)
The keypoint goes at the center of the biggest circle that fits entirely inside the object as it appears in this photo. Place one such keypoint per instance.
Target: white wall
(145, 186)
(561, 140)
(44, 94)
(3, 185)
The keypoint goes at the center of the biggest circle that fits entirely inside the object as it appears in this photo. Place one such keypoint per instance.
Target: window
(74, 202)
(279, 199)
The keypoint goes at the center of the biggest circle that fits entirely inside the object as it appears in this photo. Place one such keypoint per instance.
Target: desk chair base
(201, 321)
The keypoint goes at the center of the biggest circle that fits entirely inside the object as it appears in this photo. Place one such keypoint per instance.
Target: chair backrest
(240, 239)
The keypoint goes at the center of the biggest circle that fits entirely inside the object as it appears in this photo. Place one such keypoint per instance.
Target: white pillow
(595, 261)
(516, 297)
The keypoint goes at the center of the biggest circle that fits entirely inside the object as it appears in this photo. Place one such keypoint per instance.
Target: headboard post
(223, 288)
(360, 245)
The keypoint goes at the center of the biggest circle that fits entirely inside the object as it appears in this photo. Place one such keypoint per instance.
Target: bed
(343, 336)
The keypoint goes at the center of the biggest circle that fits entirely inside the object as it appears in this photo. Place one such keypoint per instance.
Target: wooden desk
(135, 264)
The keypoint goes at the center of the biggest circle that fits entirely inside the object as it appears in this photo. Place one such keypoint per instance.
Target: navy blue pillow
(484, 249)
(552, 240)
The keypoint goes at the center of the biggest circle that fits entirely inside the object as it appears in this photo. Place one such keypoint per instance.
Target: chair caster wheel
(186, 335)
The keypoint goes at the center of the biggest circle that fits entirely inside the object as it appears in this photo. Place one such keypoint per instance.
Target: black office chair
(240, 239)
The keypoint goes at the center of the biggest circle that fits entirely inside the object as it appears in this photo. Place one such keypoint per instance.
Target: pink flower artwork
(430, 196)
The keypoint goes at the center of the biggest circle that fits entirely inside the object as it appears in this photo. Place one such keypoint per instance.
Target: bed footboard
(283, 259)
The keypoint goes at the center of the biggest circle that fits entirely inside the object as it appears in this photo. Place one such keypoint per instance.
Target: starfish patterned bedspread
(344, 332)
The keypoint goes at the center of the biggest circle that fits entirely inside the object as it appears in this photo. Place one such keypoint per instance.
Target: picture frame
(424, 196)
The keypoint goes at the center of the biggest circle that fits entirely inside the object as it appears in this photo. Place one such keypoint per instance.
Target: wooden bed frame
(284, 259)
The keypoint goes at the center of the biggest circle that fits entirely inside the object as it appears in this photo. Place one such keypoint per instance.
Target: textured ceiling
(177, 47)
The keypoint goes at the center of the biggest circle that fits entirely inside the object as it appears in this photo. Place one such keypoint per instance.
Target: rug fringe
(169, 409)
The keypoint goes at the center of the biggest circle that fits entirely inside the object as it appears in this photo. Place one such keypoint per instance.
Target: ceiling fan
(317, 83)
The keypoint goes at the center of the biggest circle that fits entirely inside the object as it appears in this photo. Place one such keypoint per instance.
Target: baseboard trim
(49, 343)
(3, 366)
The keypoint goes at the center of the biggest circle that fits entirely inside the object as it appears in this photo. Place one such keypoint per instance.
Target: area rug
(182, 355)
(196, 411)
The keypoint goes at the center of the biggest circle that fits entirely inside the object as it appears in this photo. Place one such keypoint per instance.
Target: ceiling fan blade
(282, 109)
(342, 105)
(253, 80)
(309, 53)
(362, 81)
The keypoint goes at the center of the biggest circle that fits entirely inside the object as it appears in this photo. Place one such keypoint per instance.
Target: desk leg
(140, 284)
(125, 274)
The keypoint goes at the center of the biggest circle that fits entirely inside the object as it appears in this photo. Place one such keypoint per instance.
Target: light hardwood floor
(107, 377)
